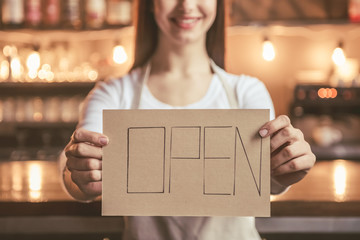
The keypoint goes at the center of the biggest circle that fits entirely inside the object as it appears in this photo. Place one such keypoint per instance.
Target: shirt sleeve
(252, 94)
(105, 95)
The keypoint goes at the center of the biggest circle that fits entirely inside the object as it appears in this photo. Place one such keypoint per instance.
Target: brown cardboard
(186, 163)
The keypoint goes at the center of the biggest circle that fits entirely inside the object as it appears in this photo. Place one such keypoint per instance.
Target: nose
(186, 5)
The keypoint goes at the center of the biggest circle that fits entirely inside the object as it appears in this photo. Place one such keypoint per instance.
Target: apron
(174, 228)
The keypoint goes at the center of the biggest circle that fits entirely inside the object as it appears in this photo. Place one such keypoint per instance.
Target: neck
(185, 58)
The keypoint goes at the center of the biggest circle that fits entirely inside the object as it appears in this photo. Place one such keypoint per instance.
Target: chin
(185, 40)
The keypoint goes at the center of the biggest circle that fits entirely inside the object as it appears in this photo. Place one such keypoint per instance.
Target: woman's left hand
(291, 155)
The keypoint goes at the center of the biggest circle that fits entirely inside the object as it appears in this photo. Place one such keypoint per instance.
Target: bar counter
(330, 189)
(330, 192)
(33, 188)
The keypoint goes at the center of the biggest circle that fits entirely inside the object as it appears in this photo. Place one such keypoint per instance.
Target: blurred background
(53, 52)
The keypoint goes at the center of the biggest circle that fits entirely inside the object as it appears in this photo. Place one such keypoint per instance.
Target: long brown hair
(147, 34)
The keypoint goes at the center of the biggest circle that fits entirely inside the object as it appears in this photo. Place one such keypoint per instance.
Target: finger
(83, 164)
(275, 125)
(83, 135)
(91, 188)
(302, 163)
(287, 153)
(85, 177)
(88, 182)
(290, 178)
(285, 135)
(83, 150)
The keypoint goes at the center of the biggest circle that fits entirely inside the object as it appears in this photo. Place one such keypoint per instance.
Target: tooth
(187, 20)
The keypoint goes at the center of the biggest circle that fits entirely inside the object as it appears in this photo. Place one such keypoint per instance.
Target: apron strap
(139, 87)
(229, 92)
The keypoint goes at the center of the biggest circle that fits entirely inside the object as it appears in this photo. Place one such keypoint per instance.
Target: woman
(183, 43)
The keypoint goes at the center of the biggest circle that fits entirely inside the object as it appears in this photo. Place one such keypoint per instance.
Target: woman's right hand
(84, 161)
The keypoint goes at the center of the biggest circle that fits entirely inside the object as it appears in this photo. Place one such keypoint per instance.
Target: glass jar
(13, 13)
(72, 14)
(95, 13)
(51, 13)
(119, 12)
(33, 15)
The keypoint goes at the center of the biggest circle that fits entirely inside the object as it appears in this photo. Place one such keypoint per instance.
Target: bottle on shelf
(33, 13)
(72, 14)
(119, 13)
(51, 13)
(95, 12)
(13, 13)
(354, 11)
(9, 105)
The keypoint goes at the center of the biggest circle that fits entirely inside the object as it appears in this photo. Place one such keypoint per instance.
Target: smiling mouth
(186, 23)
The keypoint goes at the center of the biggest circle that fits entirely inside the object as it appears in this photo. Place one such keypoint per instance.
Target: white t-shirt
(122, 93)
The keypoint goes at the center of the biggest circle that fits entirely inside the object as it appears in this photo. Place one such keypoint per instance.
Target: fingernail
(263, 132)
(104, 141)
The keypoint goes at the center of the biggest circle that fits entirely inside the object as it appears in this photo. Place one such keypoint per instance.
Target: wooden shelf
(289, 23)
(62, 35)
(289, 11)
(41, 125)
(45, 89)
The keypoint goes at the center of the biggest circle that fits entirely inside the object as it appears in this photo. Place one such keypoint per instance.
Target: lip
(185, 22)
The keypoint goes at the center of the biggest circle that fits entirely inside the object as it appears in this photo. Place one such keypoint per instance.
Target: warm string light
(4, 70)
(10, 51)
(33, 64)
(45, 73)
(16, 68)
(268, 52)
(338, 55)
(13, 63)
(119, 54)
(33, 69)
(346, 69)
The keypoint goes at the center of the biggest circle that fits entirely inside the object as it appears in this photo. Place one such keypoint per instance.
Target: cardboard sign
(186, 163)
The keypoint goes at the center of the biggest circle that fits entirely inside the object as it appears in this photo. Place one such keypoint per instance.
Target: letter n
(253, 163)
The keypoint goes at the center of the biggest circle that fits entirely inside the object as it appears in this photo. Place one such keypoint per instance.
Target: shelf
(24, 141)
(289, 12)
(45, 89)
(63, 35)
(42, 125)
(294, 23)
